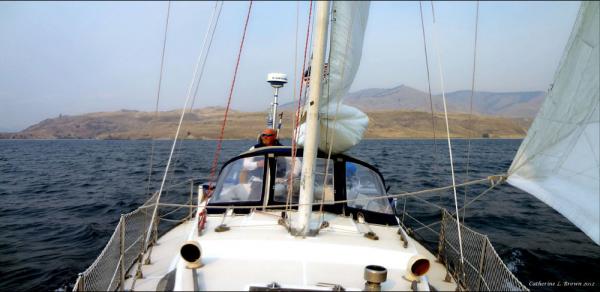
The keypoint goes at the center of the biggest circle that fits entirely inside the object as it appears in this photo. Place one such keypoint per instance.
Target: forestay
(558, 160)
(342, 125)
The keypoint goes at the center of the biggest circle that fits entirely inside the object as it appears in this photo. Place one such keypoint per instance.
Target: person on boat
(251, 173)
(268, 137)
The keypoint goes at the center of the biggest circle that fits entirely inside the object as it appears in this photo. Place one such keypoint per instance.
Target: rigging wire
(214, 29)
(160, 77)
(437, 50)
(159, 85)
(187, 100)
(337, 108)
(470, 121)
(296, 85)
(328, 80)
(213, 168)
(297, 119)
(211, 30)
(421, 192)
(296, 53)
(435, 151)
(461, 209)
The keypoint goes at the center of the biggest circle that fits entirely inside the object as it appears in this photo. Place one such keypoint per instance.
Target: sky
(80, 57)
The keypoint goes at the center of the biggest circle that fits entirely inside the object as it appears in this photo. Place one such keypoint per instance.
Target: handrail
(421, 192)
(122, 251)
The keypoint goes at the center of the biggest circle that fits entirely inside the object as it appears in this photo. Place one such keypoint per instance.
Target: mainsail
(342, 125)
(558, 162)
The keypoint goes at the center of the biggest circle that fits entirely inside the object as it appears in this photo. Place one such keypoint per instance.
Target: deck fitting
(222, 228)
(371, 235)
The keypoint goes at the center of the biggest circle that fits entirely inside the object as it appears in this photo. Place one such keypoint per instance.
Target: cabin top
(343, 184)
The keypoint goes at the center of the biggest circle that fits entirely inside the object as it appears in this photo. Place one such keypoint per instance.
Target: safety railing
(481, 269)
(127, 246)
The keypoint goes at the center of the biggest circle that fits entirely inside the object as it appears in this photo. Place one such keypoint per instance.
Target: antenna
(277, 80)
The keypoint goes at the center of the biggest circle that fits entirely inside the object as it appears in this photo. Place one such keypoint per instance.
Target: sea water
(60, 201)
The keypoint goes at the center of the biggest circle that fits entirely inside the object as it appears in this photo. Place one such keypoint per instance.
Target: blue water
(61, 199)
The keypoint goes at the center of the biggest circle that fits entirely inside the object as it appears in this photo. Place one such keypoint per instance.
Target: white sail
(342, 125)
(346, 131)
(347, 34)
(558, 162)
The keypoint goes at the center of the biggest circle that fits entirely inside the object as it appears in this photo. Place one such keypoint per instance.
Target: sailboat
(313, 218)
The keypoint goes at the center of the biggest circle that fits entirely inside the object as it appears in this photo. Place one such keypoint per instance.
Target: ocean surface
(60, 201)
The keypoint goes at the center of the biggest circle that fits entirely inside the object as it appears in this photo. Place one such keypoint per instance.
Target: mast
(274, 113)
(307, 186)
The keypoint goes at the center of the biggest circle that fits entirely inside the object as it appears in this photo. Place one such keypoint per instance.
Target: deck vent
(374, 275)
(191, 253)
(417, 267)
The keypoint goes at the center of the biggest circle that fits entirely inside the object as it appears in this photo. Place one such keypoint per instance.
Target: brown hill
(414, 124)
(206, 124)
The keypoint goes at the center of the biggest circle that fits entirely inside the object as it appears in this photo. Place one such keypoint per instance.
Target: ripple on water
(60, 202)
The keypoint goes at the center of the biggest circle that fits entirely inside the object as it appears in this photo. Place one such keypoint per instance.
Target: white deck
(258, 251)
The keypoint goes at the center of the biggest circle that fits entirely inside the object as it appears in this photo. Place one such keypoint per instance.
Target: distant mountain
(502, 104)
(206, 124)
(507, 104)
(397, 98)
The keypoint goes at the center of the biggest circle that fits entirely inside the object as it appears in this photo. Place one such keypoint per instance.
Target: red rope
(237, 64)
(295, 133)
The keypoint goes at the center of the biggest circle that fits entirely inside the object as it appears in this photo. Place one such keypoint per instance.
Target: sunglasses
(267, 135)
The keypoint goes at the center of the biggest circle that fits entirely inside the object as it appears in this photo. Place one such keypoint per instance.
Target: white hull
(257, 251)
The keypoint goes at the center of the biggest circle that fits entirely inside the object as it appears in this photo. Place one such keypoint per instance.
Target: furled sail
(558, 162)
(342, 125)
(346, 131)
